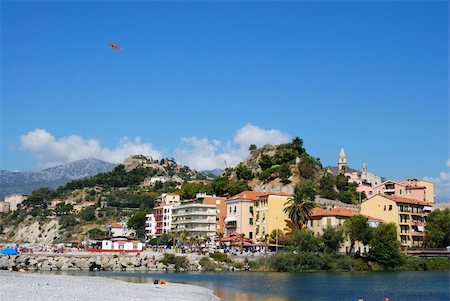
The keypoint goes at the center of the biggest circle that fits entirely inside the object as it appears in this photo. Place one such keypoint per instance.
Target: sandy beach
(36, 286)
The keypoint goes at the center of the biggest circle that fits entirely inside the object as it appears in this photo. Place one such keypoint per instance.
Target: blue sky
(199, 81)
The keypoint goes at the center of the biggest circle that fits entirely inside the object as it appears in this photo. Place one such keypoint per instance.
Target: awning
(231, 219)
(373, 224)
(427, 208)
(420, 228)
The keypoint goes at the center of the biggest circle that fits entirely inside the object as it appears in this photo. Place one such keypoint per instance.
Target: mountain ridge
(26, 181)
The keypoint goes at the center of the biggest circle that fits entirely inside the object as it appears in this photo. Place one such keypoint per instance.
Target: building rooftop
(398, 199)
(320, 212)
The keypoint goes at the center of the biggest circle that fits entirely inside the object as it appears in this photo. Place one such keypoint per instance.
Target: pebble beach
(37, 286)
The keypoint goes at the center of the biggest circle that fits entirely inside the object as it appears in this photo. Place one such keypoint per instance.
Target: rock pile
(83, 263)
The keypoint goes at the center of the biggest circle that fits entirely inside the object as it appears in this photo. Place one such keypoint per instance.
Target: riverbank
(36, 286)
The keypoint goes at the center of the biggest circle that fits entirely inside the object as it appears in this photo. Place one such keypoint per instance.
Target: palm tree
(298, 208)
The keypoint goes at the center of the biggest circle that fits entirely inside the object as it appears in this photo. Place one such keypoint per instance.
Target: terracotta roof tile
(248, 195)
(398, 199)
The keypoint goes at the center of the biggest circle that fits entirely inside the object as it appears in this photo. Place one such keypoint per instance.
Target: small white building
(116, 244)
(121, 229)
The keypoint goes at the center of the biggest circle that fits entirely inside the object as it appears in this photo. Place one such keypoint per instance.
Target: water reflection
(221, 292)
(254, 286)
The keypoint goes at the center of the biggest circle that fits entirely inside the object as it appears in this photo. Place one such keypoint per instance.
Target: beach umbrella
(9, 251)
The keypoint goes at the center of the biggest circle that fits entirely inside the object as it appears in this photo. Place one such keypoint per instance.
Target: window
(311, 223)
(400, 191)
(390, 207)
(250, 220)
(250, 235)
(234, 209)
(384, 207)
(257, 229)
(370, 192)
(251, 209)
(230, 209)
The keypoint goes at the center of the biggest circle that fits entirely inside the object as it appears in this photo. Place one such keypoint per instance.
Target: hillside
(25, 182)
(277, 167)
(81, 205)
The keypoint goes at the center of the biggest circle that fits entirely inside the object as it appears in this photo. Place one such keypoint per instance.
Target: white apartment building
(150, 226)
(196, 218)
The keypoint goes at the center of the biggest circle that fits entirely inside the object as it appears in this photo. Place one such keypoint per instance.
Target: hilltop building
(342, 162)
(409, 188)
(14, 200)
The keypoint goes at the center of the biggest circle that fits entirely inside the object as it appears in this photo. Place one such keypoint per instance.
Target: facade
(163, 219)
(196, 218)
(240, 214)
(167, 199)
(14, 200)
(364, 178)
(162, 213)
(421, 185)
(335, 217)
(408, 188)
(221, 208)
(408, 214)
(117, 244)
(150, 226)
(270, 215)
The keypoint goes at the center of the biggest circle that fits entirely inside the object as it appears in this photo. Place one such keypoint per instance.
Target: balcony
(416, 233)
(230, 226)
(195, 221)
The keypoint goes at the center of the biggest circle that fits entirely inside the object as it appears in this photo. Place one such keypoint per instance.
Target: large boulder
(5, 263)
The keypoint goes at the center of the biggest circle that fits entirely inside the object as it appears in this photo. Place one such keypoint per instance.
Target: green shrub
(359, 265)
(222, 257)
(180, 262)
(207, 264)
(238, 264)
(439, 264)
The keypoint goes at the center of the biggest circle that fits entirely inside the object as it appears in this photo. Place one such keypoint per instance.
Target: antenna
(225, 161)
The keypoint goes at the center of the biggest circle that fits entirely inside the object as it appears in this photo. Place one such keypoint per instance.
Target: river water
(264, 286)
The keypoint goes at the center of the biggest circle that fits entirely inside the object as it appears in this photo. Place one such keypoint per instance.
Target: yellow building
(335, 217)
(269, 213)
(408, 214)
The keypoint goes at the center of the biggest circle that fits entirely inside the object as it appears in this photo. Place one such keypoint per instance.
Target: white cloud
(51, 151)
(201, 153)
(441, 183)
(250, 134)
